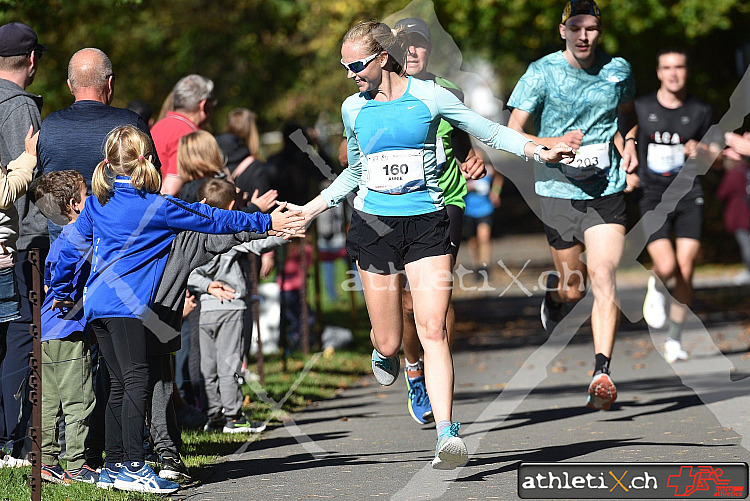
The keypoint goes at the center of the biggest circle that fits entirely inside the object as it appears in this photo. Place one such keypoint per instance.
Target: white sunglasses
(359, 64)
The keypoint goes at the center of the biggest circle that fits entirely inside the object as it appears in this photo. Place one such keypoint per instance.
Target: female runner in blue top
(400, 223)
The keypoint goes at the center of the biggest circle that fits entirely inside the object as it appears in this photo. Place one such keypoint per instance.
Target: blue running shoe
(107, 477)
(419, 402)
(385, 369)
(143, 480)
(450, 451)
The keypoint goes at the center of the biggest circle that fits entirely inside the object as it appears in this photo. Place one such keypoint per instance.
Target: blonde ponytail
(102, 181)
(127, 150)
(145, 176)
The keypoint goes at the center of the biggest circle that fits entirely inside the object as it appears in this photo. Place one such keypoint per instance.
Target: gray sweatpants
(221, 360)
(164, 428)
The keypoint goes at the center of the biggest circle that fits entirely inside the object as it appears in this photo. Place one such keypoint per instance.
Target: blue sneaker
(450, 451)
(419, 402)
(107, 477)
(143, 480)
(385, 369)
(84, 474)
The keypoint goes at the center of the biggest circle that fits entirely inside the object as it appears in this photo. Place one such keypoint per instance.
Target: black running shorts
(384, 244)
(566, 220)
(685, 220)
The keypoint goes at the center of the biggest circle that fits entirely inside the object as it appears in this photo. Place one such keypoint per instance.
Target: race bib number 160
(396, 171)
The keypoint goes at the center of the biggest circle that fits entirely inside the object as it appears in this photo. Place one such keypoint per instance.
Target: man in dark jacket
(20, 52)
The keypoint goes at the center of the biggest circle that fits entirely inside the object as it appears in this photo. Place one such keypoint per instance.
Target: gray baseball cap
(414, 25)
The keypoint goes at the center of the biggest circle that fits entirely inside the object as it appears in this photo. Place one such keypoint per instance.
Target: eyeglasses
(359, 64)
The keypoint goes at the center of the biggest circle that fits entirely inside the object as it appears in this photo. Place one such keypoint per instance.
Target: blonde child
(131, 228)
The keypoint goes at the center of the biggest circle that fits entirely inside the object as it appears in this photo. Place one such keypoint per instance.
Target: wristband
(631, 139)
(537, 151)
(497, 189)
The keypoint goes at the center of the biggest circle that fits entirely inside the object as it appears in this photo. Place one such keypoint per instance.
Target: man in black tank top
(671, 123)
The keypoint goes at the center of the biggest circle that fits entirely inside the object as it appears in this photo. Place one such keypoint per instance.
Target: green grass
(330, 374)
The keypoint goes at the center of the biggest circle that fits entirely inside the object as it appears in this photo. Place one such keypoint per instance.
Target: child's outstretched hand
(287, 223)
(265, 201)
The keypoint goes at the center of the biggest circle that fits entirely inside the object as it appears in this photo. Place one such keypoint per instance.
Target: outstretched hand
(265, 201)
(287, 223)
(560, 153)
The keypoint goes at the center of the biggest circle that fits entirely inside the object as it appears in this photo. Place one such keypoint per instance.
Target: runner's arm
(628, 122)
(493, 134)
(490, 133)
(520, 121)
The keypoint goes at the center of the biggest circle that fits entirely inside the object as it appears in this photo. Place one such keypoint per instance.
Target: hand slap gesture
(287, 223)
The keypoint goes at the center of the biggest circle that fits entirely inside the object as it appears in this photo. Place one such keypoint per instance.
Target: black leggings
(122, 342)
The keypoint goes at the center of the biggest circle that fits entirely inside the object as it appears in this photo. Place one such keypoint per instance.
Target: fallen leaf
(344, 418)
(639, 366)
(381, 395)
(481, 367)
(559, 369)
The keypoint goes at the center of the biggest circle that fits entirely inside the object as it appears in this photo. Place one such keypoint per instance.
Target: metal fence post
(35, 380)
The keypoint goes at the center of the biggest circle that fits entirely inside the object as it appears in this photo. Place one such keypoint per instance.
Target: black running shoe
(172, 468)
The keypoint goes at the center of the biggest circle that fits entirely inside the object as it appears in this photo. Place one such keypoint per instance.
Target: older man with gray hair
(73, 138)
(194, 103)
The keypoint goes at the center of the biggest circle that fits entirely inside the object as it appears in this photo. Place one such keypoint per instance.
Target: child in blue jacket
(131, 227)
(66, 362)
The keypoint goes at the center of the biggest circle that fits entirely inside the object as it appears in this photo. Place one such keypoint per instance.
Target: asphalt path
(520, 396)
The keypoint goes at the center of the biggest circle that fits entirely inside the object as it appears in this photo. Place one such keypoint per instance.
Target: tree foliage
(280, 57)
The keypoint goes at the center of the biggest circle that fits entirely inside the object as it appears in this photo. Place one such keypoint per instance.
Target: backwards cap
(578, 7)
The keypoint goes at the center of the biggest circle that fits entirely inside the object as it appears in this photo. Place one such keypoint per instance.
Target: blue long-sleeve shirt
(131, 236)
(391, 146)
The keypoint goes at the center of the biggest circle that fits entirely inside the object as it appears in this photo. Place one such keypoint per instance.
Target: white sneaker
(11, 462)
(742, 278)
(673, 351)
(654, 306)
